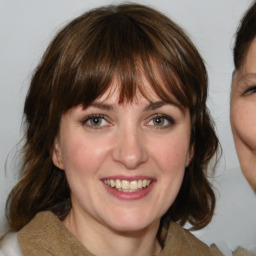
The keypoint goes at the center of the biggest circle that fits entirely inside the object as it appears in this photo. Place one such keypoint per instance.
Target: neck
(103, 241)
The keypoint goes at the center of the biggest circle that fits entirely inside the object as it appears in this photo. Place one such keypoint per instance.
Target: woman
(243, 101)
(118, 141)
(243, 96)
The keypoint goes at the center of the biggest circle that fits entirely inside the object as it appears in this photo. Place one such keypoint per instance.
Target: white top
(9, 245)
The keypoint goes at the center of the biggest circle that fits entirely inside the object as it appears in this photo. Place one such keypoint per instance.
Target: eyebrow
(151, 106)
(159, 104)
(102, 106)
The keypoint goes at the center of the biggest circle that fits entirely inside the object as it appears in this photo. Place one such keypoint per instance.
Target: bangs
(137, 52)
(116, 48)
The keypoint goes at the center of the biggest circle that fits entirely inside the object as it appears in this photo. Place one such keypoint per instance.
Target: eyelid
(250, 90)
(91, 116)
(104, 117)
(170, 119)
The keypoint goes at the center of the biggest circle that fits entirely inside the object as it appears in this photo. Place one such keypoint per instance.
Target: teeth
(118, 184)
(128, 186)
(139, 184)
(125, 184)
(134, 184)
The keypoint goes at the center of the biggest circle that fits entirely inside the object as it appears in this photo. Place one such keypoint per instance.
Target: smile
(128, 186)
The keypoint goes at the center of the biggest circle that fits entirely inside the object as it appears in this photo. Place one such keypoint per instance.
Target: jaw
(249, 171)
(247, 159)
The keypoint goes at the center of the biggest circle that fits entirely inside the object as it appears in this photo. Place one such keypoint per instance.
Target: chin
(131, 224)
(129, 228)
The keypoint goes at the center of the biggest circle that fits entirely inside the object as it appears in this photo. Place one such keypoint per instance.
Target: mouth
(128, 186)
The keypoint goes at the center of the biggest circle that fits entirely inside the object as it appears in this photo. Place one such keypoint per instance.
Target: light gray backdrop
(27, 26)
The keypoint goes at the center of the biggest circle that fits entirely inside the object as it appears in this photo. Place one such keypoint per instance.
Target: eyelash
(91, 117)
(167, 118)
(250, 90)
(152, 118)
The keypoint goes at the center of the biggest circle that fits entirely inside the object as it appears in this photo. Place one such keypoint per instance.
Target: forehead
(246, 74)
(249, 65)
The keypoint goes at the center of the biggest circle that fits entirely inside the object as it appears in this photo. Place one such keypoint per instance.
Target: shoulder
(199, 245)
(186, 243)
(9, 245)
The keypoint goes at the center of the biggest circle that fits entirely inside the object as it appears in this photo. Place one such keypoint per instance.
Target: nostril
(130, 152)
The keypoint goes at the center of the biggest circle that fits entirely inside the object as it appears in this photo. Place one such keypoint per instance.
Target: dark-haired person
(118, 141)
(243, 96)
(243, 102)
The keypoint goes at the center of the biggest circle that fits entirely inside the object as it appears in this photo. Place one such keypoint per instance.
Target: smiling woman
(118, 141)
(243, 96)
(124, 162)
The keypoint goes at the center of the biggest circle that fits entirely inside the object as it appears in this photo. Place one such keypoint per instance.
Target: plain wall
(27, 27)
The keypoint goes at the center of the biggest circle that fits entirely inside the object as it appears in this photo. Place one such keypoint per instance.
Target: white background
(26, 28)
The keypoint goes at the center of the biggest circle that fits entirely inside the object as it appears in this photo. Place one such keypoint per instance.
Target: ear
(190, 155)
(56, 155)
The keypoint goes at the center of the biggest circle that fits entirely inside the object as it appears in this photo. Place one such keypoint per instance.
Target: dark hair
(117, 41)
(244, 35)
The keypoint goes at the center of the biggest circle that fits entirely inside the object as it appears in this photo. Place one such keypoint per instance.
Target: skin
(129, 141)
(242, 113)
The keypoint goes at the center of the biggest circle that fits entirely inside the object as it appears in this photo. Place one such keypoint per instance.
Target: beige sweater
(45, 235)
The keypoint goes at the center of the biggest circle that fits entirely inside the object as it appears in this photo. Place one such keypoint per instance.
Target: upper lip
(128, 178)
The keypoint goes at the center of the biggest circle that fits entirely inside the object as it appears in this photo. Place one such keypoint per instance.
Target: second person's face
(243, 114)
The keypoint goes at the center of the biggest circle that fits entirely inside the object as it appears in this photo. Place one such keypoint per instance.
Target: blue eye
(161, 121)
(95, 121)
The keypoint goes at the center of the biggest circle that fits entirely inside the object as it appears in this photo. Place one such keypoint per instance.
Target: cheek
(243, 121)
(170, 157)
(171, 154)
(79, 156)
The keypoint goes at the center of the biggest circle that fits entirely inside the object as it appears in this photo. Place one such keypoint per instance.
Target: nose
(130, 149)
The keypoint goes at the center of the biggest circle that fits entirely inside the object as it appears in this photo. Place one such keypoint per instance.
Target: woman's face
(124, 163)
(243, 114)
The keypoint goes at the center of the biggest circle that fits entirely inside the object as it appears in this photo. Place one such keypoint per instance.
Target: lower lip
(130, 195)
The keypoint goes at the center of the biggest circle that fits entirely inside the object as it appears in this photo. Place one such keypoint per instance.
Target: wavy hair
(78, 67)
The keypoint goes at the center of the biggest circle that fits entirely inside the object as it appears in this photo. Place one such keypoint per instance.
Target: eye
(161, 121)
(96, 121)
(250, 90)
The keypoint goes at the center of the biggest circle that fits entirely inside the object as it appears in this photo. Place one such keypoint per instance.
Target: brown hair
(78, 67)
(244, 35)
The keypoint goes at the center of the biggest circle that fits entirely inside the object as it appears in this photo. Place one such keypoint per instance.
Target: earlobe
(56, 155)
